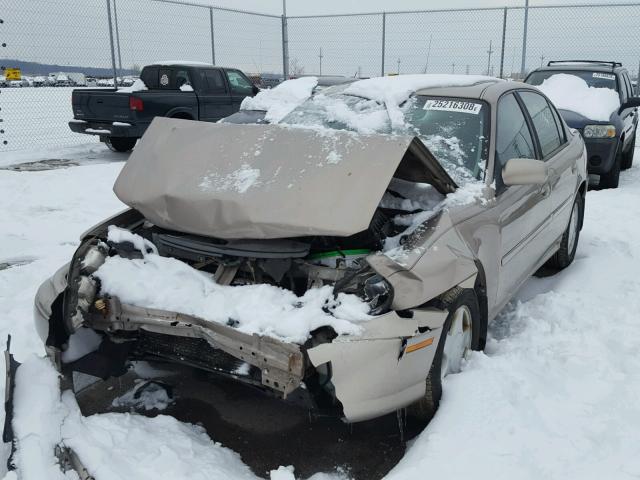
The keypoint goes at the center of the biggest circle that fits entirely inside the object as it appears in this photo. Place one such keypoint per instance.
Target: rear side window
(239, 83)
(543, 121)
(182, 79)
(513, 138)
(149, 76)
(213, 82)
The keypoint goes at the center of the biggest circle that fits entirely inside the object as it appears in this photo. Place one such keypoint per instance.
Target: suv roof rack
(598, 62)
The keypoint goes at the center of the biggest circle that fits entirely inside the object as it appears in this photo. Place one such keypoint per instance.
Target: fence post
(115, 19)
(524, 39)
(213, 44)
(113, 52)
(285, 41)
(504, 38)
(384, 27)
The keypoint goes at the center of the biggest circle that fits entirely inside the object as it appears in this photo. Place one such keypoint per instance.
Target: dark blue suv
(610, 144)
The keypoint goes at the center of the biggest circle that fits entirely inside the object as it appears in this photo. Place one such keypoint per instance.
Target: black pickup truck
(177, 90)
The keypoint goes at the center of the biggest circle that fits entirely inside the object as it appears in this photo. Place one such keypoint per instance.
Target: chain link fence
(53, 41)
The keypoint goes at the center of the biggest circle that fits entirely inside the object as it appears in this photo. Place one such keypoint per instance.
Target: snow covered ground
(555, 395)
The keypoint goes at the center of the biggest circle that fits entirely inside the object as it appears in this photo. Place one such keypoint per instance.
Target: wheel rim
(457, 342)
(573, 227)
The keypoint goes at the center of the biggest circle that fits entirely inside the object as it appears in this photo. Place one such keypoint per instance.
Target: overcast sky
(306, 7)
(58, 32)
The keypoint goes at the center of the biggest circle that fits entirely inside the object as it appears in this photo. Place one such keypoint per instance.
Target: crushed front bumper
(281, 364)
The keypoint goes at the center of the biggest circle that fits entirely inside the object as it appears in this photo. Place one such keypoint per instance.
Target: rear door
(240, 87)
(561, 162)
(213, 95)
(523, 210)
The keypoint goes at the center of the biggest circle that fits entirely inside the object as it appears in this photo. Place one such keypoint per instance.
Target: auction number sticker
(607, 76)
(453, 106)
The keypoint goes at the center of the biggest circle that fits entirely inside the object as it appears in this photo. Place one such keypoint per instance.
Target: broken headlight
(370, 286)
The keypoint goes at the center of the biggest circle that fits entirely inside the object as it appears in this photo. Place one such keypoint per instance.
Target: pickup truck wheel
(120, 144)
(569, 244)
(627, 158)
(612, 177)
(460, 335)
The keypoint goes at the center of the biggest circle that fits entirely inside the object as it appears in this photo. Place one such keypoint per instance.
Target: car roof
(608, 67)
(485, 90)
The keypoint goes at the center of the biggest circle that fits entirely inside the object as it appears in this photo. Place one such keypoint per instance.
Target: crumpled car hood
(267, 181)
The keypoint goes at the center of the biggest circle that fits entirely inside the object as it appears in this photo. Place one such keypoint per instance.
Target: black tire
(426, 407)
(627, 158)
(612, 177)
(567, 251)
(120, 144)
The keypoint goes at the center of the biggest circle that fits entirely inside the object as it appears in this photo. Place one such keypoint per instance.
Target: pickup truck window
(212, 81)
(182, 78)
(164, 78)
(149, 76)
(239, 84)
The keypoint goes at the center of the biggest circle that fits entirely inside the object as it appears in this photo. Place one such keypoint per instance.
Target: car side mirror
(524, 171)
(632, 102)
(255, 90)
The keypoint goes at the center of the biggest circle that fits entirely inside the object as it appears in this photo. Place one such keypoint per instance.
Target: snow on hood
(392, 91)
(169, 284)
(280, 100)
(569, 92)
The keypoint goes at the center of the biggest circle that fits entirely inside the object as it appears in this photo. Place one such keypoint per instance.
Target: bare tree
(295, 68)
(135, 69)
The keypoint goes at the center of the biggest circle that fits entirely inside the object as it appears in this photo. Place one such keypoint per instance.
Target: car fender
(436, 258)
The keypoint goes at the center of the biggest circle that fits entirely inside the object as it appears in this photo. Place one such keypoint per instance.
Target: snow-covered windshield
(593, 79)
(455, 130)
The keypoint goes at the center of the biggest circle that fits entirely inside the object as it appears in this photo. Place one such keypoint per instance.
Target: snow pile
(240, 180)
(186, 88)
(138, 86)
(169, 284)
(280, 100)
(392, 91)
(569, 92)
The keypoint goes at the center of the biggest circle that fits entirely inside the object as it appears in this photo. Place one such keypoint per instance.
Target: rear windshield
(593, 79)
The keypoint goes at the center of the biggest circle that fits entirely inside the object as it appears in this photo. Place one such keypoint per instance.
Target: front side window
(513, 138)
(213, 81)
(239, 84)
(543, 121)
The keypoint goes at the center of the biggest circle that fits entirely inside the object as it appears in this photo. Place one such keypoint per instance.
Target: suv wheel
(460, 335)
(627, 158)
(612, 177)
(120, 144)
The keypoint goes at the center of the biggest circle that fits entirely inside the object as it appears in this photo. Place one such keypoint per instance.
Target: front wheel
(460, 335)
(612, 177)
(120, 144)
(627, 158)
(569, 243)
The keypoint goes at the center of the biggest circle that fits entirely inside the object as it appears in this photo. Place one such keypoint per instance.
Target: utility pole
(285, 42)
(490, 51)
(466, 70)
(524, 38)
(541, 60)
(453, 68)
(398, 66)
(426, 65)
(320, 57)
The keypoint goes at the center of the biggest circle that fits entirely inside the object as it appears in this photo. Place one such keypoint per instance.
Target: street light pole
(524, 38)
(320, 56)
(398, 66)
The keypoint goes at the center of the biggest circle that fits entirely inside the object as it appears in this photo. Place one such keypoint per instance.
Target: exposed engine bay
(126, 332)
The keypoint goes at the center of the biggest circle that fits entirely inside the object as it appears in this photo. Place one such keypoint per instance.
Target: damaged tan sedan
(421, 230)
